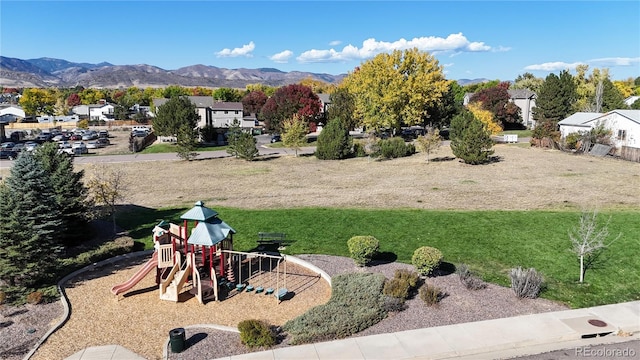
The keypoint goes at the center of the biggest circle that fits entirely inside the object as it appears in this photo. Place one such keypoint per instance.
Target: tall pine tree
(29, 250)
(556, 98)
(70, 193)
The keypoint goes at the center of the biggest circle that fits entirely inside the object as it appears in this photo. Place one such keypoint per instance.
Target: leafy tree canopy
(287, 101)
(253, 101)
(173, 114)
(395, 89)
(227, 94)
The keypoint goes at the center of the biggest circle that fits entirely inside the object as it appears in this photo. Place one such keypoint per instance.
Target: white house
(101, 111)
(14, 110)
(630, 100)
(624, 125)
(576, 123)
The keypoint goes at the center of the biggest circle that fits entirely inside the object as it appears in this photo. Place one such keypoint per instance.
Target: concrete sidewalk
(490, 339)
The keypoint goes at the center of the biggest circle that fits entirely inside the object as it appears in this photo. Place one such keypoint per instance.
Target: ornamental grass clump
(526, 283)
(468, 279)
(356, 303)
(430, 294)
(426, 259)
(363, 248)
(255, 333)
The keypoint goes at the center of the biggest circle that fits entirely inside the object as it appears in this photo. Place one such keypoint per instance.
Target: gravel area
(460, 305)
(21, 327)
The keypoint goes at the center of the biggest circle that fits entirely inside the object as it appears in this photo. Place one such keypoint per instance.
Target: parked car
(93, 144)
(64, 145)
(7, 145)
(79, 148)
(44, 137)
(103, 134)
(275, 138)
(90, 135)
(30, 145)
(8, 154)
(104, 142)
(139, 133)
(60, 137)
(18, 147)
(75, 137)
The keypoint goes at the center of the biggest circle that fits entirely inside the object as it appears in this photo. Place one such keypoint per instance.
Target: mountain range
(49, 72)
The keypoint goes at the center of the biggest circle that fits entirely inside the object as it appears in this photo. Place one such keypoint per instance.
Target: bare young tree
(107, 185)
(430, 142)
(588, 239)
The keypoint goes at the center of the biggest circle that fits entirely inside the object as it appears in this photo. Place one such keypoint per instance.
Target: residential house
(217, 114)
(630, 100)
(623, 124)
(525, 99)
(14, 110)
(101, 111)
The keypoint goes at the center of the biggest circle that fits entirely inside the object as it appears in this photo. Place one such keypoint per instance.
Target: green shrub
(395, 148)
(356, 303)
(526, 283)
(411, 277)
(468, 279)
(571, 141)
(393, 304)
(255, 333)
(402, 285)
(431, 295)
(397, 288)
(363, 248)
(426, 259)
(334, 142)
(359, 149)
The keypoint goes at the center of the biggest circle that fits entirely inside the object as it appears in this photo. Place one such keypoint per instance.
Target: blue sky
(476, 39)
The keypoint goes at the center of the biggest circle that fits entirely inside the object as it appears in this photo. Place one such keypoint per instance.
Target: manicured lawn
(491, 242)
(171, 148)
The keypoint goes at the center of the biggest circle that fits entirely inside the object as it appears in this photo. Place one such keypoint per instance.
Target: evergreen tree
(29, 251)
(334, 141)
(246, 146)
(186, 142)
(612, 99)
(342, 107)
(173, 114)
(470, 140)
(70, 193)
(233, 136)
(556, 97)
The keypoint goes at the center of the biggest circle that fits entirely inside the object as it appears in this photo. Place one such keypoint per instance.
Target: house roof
(579, 119)
(633, 115)
(521, 94)
(324, 98)
(199, 213)
(210, 233)
(205, 102)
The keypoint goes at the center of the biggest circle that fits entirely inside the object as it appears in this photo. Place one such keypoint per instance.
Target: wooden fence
(630, 153)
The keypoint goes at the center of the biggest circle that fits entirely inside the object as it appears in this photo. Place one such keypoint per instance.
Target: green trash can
(177, 340)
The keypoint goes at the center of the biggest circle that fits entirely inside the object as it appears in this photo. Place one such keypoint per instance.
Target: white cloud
(553, 66)
(245, 50)
(602, 62)
(615, 61)
(501, 49)
(372, 47)
(335, 43)
(282, 57)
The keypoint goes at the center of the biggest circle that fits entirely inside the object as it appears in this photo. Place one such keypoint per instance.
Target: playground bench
(265, 238)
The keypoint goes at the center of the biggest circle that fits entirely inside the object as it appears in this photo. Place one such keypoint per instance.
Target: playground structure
(205, 263)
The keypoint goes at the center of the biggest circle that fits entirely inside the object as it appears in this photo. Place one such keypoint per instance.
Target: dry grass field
(524, 178)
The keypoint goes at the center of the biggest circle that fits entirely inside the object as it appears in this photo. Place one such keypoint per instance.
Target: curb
(65, 301)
